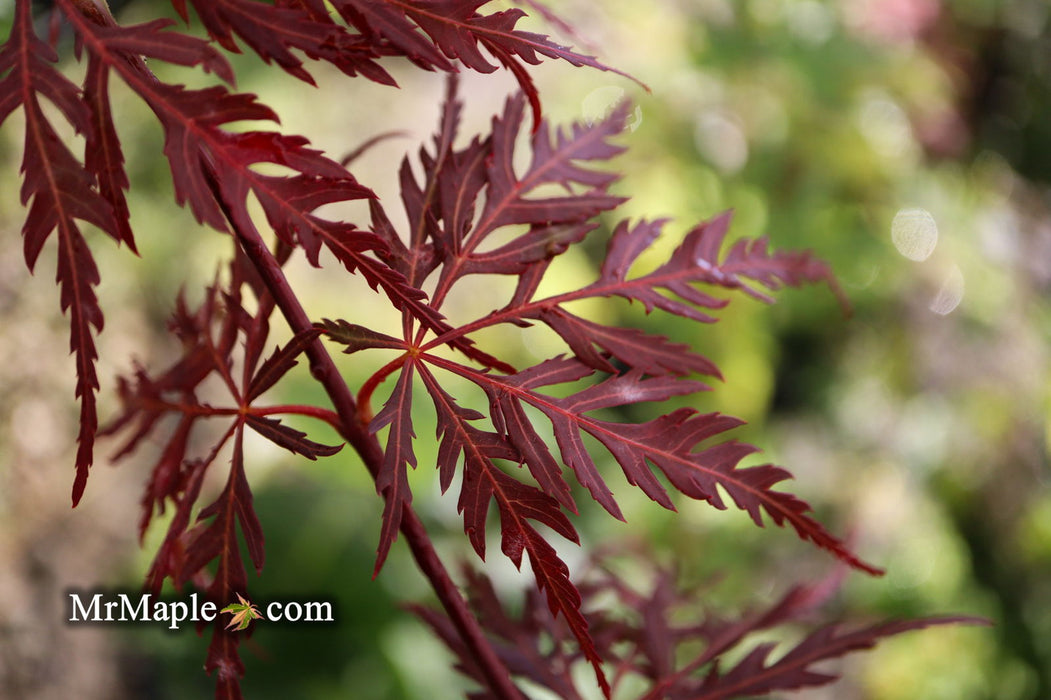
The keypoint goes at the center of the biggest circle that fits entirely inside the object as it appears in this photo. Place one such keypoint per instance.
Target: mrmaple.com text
(124, 607)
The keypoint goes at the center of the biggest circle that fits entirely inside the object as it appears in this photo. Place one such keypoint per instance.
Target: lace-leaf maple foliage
(458, 195)
(655, 639)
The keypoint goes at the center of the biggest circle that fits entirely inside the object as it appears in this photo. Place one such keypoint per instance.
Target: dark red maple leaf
(275, 31)
(435, 33)
(62, 191)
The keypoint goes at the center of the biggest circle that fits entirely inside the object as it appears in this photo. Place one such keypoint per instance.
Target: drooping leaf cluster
(460, 197)
(659, 640)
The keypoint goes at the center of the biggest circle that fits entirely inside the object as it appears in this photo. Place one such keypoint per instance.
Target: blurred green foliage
(921, 421)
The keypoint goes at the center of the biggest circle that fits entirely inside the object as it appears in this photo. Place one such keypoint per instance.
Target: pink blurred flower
(891, 21)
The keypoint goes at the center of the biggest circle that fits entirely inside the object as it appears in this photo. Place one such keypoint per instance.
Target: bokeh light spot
(914, 233)
(721, 140)
(950, 294)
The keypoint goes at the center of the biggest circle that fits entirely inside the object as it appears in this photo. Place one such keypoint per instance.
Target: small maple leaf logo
(243, 613)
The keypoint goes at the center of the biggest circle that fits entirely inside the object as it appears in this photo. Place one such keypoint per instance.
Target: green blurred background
(907, 142)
